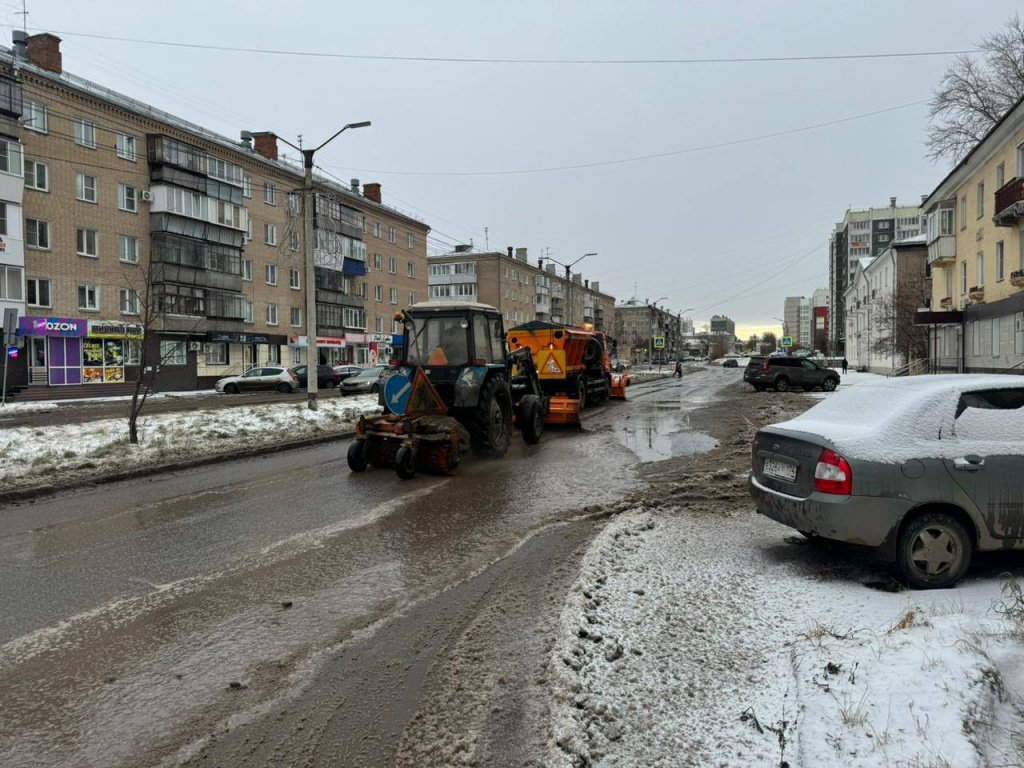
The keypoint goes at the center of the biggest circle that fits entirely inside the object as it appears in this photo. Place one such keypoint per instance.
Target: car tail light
(833, 474)
(292, 374)
(766, 364)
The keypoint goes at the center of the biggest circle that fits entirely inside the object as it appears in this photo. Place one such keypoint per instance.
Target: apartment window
(270, 274)
(380, 325)
(1000, 262)
(293, 241)
(963, 277)
(963, 212)
(129, 301)
(393, 265)
(37, 234)
(229, 215)
(412, 240)
(37, 176)
(293, 203)
(394, 295)
(35, 117)
(376, 229)
(85, 133)
(86, 188)
(247, 307)
(362, 290)
(10, 157)
(377, 260)
(247, 270)
(981, 269)
(248, 229)
(378, 293)
(88, 242)
(38, 292)
(884, 238)
(1000, 175)
(89, 296)
(884, 224)
(128, 249)
(996, 332)
(270, 234)
(246, 187)
(269, 194)
(187, 203)
(10, 283)
(217, 354)
(946, 221)
(392, 235)
(412, 298)
(410, 269)
(296, 317)
(126, 147)
(271, 314)
(981, 199)
(127, 198)
(172, 353)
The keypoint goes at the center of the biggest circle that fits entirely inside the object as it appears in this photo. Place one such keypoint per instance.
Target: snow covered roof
(892, 420)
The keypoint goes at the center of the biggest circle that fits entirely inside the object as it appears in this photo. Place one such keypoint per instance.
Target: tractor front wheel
(492, 420)
(531, 419)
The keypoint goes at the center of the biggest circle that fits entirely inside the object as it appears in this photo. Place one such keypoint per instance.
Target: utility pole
(308, 205)
(568, 280)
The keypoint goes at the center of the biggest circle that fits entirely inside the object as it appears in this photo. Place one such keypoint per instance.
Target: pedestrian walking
(846, 364)
(679, 370)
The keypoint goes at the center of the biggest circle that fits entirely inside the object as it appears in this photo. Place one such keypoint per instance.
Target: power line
(640, 158)
(482, 60)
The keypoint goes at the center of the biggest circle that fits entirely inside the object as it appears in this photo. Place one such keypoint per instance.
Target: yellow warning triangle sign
(551, 363)
(424, 398)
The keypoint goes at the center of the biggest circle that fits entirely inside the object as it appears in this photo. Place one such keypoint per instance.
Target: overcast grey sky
(698, 227)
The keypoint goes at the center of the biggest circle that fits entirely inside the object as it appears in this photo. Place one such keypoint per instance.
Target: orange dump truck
(574, 365)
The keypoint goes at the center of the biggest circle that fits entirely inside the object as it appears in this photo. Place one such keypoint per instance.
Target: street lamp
(785, 327)
(312, 365)
(568, 279)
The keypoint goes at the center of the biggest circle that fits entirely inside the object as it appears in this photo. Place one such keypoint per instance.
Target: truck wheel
(357, 460)
(531, 419)
(581, 391)
(405, 463)
(933, 552)
(492, 420)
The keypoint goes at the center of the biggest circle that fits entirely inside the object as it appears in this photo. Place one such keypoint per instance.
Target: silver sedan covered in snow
(929, 469)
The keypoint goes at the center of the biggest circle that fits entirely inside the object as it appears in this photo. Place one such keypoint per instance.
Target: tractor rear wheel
(492, 420)
(531, 419)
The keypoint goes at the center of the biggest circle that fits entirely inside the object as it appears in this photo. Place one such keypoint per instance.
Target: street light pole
(308, 200)
(568, 280)
(661, 357)
(785, 330)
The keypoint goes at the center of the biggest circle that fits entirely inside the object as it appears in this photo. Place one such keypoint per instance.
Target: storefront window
(172, 353)
(103, 361)
(132, 352)
(65, 360)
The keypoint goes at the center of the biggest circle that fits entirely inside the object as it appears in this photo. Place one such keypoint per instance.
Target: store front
(69, 351)
(331, 350)
(227, 353)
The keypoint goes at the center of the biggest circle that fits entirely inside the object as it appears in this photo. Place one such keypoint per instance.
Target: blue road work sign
(787, 341)
(397, 389)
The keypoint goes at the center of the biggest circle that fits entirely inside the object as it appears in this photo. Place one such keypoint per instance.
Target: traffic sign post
(787, 341)
(10, 326)
(397, 389)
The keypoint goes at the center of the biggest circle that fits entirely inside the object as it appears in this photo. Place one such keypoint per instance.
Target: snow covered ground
(49, 405)
(30, 455)
(696, 639)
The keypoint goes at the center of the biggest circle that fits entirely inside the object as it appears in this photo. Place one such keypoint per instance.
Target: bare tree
(975, 92)
(895, 332)
(769, 339)
(752, 342)
(719, 347)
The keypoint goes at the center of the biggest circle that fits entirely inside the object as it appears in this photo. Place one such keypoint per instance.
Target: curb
(35, 491)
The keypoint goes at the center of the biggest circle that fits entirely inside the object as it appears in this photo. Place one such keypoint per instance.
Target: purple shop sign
(68, 327)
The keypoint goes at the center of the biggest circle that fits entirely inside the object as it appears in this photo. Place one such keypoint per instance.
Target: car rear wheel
(330, 384)
(284, 388)
(374, 389)
(231, 389)
(829, 384)
(934, 551)
(782, 384)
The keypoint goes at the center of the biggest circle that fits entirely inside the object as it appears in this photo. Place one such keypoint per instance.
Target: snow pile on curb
(30, 455)
(936, 688)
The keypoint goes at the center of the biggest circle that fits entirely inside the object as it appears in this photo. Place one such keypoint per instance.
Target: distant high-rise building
(720, 324)
(862, 233)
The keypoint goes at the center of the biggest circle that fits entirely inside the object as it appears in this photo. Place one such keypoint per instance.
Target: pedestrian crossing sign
(659, 342)
(551, 363)
(787, 341)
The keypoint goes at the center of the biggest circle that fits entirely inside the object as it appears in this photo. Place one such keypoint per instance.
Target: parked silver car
(929, 469)
(367, 380)
(265, 378)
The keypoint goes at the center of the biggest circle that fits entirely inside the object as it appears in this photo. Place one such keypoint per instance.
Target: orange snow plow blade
(619, 384)
(564, 411)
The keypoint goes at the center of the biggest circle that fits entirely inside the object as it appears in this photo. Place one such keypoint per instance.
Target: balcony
(942, 251)
(1009, 203)
(946, 303)
(1017, 278)
(977, 293)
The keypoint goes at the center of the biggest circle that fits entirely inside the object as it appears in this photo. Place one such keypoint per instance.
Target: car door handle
(969, 463)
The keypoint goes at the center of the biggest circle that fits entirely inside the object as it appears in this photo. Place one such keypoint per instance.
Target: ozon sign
(69, 327)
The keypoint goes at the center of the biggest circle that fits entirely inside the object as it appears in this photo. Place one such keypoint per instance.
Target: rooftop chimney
(354, 183)
(521, 254)
(510, 252)
(892, 202)
(266, 144)
(586, 283)
(923, 198)
(19, 39)
(246, 139)
(596, 286)
(540, 264)
(44, 52)
(372, 192)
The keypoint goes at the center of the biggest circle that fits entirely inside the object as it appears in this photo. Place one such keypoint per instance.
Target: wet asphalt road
(140, 618)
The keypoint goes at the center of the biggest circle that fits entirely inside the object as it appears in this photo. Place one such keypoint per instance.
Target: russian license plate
(780, 469)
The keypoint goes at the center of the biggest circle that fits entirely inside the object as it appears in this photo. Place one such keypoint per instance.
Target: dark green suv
(782, 373)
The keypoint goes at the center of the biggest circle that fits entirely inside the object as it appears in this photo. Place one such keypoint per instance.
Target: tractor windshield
(438, 341)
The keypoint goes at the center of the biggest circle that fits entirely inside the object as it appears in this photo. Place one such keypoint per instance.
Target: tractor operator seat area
(439, 342)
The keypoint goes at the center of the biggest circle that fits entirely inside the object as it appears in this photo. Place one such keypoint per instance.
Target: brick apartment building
(126, 225)
(520, 290)
(637, 326)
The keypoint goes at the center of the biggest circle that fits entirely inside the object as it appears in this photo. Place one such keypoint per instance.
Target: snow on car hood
(893, 420)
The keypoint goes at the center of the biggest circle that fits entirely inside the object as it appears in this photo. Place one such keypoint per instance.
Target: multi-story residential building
(12, 191)
(861, 233)
(802, 320)
(143, 228)
(638, 324)
(722, 325)
(521, 291)
(976, 255)
(792, 312)
(881, 304)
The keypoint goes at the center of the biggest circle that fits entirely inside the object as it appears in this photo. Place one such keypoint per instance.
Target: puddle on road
(655, 438)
